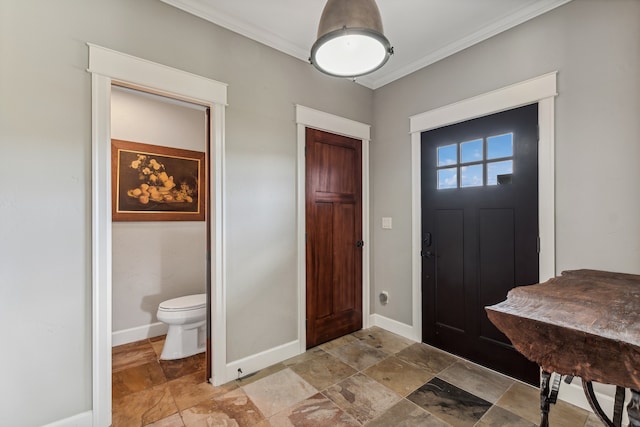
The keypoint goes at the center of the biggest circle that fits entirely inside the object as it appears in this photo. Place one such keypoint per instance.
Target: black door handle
(429, 254)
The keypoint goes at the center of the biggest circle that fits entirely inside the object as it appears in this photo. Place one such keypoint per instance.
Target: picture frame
(155, 183)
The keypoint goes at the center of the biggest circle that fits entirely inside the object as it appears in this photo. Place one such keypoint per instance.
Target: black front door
(480, 232)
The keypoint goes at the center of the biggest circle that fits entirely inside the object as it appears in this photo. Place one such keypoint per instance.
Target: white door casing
(108, 67)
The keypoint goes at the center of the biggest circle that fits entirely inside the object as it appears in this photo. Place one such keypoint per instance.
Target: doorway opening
(109, 67)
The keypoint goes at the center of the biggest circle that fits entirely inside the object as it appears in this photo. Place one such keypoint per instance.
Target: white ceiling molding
(421, 32)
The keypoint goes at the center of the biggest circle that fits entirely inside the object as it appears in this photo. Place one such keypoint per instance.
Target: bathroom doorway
(154, 261)
(108, 67)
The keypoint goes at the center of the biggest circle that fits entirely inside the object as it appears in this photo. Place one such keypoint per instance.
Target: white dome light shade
(350, 54)
(350, 40)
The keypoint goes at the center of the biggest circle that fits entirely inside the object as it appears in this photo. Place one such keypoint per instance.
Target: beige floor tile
(427, 357)
(143, 407)
(180, 367)
(359, 355)
(398, 375)
(231, 409)
(477, 380)
(136, 378)
(338, 342)
(524, 400)
(157, 343)
(383, 340)
(304, 357)
(362, 397)
(316, 411)
(263, 373)
(132, 354)
(497, 416)
(174, 420)
(406, 414)
(192, 389)
(323, 371)
(278, 391)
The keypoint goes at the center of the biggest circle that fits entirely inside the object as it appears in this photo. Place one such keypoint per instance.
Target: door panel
(334, 228)
(480, 224)
(449, 268)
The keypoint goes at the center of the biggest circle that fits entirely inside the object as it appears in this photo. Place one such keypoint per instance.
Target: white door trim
(107, 67)
(308, 117)
(542, 90)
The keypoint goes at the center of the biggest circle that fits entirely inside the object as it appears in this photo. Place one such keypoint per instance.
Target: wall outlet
(384, 297)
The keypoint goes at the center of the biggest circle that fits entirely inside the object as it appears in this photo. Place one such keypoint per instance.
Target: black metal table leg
(633, 409)
(545, 377)
(548, 395)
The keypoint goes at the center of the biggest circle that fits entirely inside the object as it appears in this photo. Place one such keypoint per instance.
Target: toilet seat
(185, 303)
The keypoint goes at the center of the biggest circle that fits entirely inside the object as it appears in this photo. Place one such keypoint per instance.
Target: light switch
(387, 223)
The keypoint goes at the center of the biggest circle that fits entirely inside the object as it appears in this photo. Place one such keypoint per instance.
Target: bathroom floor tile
(180, 367)
(477, 380)
(174, 420)
(192, 389)
(383, 340)
(316, 411)
(406, 414)
(359, 355)
(450, 403)
(132, 354)
(278, 391)
(427, 357)
(398, 375)
(323, 370)
(136, 378)
(144, 407)
(362, 397)
(158, 343)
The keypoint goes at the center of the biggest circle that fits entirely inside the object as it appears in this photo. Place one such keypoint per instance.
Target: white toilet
(186, 317)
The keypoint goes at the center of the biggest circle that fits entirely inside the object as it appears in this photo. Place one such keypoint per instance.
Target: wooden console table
(584, 323)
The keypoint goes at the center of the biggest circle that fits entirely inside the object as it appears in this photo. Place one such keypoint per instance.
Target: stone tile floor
(371, 377)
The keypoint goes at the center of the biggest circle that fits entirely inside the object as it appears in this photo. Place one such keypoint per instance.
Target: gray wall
(45, 167)
(594, 46)
(155, 261)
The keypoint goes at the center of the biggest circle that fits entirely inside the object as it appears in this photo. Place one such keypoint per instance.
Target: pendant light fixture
(350, 40)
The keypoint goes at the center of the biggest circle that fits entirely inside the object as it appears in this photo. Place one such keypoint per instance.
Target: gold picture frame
(154, 183)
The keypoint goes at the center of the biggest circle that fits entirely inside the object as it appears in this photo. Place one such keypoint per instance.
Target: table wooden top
(584, 323)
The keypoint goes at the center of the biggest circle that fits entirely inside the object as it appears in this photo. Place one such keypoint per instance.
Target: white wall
(593, 44)
(154, 261)
(45, 168)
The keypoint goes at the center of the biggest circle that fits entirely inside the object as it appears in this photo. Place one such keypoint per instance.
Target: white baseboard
(126, 336)
(84, 419)
(262, 360)
(394, 326)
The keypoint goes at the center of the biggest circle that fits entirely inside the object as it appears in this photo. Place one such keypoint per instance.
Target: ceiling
(421, 31)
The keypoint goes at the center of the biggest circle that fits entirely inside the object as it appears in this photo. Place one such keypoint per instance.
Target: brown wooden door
(334, 235)
(480, 230)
